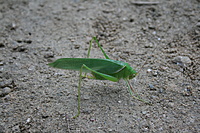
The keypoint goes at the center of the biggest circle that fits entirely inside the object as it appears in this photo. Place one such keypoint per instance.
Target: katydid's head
(130, 72)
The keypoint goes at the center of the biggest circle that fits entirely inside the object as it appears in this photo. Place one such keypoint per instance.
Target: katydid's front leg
(130, 89)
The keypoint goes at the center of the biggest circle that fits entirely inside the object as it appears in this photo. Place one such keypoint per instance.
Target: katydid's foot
(142, 100)
(74, 117)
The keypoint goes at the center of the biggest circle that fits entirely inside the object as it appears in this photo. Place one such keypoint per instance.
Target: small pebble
(13, 26)
(160, 90)
(144, 112)
(16, 129)
(146, 128)
(49, 55)
(149, 45)
(1, 63)
(92, 119)
(60, 73)
(86, 97)
(119, 101)
(154, 97)
(171, 104)
(110, 130)
(1, 69)
(28, 120)
(182, 60)
(7, 90)
(5, 83)
(31, 68)
(124, 19)
(76, 46)
(154, 32)
(155, 73)
(151, 86)
(149, 70)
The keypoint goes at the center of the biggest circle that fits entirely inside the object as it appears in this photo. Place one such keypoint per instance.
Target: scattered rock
(31, 68)
(92, 119)
(151, 87)
(86, 97)
(5, 83)
(13, 26)
(171, 104)
(110, 130)
(1, 63)
(161, 90)
(155, 73)
(76, 46)
(49, 55)
(5, 91)
(149, 70)
(182, 61)
(119, 101)
(149, 45)
(144, 112)
(28, 120)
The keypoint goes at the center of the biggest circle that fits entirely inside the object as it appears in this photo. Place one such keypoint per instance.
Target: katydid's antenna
(146, 60)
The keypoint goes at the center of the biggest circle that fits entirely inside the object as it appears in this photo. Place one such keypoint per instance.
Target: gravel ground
(159, 39)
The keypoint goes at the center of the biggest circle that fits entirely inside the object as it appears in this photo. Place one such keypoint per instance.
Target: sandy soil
(163, 35)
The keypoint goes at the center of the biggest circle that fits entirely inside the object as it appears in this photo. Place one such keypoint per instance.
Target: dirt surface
(162, 35)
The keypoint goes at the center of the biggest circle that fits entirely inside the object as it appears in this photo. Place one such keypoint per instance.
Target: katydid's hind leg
(104, 53)
(88, 55)
(95, 39)
(102, 75)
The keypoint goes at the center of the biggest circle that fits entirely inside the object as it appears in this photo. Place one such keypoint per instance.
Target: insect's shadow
(105, 93)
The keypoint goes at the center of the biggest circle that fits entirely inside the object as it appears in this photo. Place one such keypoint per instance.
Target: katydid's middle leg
(79, 93)
(108, 77)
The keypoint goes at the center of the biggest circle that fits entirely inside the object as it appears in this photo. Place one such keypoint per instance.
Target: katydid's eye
(132, 76)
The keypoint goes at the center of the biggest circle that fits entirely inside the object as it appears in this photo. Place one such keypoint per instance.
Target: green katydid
(101, 69)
